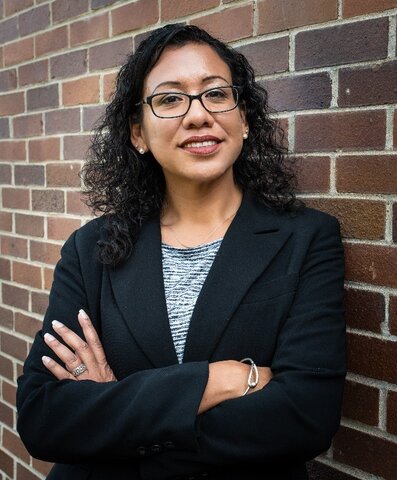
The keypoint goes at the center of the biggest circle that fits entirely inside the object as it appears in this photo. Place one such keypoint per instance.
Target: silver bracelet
(253, 377)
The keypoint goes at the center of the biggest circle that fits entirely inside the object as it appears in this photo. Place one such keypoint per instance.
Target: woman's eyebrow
(172, 83)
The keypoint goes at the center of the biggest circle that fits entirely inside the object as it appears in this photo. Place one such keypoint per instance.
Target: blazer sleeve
(70, 421)
(296, 415)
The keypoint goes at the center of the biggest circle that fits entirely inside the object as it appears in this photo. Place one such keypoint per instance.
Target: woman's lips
(202, 148)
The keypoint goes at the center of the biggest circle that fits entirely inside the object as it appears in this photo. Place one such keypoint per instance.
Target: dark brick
(4, 128)
(13, 6)
(7, 463)
(268, 56)
(62, 121)
(8, 30)
(64, 9)
(5, 174)
(302, 92)
(95, 4)
(33, 73)
(75, 147)
(28, 126)
(24, 474)
(393, 315)
(367, 174)
(313, 173)
(392, 412)
(369, 453)
(39, 302)
(92, 115)
(110, 54)
(364, 310)
(340, 131)
(348, 43)
(42, 97)
(368, 86)
(5, 274)
(171, 9)
(29, 175)
(48, 200)
(395, 222)
(34, 20)
(8, 80)
(27, 325)
(361, 403)
(69, 64)
(32, 225)
(19, 298)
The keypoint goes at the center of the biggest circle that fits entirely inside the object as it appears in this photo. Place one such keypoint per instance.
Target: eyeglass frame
(148, 100)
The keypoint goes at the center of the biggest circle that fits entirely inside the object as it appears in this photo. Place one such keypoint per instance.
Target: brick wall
(331, 71)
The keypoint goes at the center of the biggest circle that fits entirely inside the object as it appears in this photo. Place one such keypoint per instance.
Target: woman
(216, 348)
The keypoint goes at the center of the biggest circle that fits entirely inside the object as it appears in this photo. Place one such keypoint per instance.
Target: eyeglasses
(176, 104)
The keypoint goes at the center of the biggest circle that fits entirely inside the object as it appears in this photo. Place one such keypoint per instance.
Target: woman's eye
(217, 94)
(171, 99)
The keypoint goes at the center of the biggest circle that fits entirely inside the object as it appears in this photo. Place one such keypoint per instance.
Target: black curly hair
(129, 188)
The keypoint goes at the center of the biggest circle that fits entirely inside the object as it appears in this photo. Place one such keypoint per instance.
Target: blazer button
(168, 445)
(156, 448)
(141, 451)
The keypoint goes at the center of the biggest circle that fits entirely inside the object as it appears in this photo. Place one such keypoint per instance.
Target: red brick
(327, 132)
(171, 9)
(28, 125)
(372, 357)
(68, 64)
(13, 6)
(369, 453)
(62, 121)
(17, 198)
(29, 175)
(362, 219)
(44, 149)
(6, 221)
(108, 55)
(267, 56)
(44, 252)
(75, 205)
(39, 302)
(42, 467)
(65, 9)
(361, 403)
(109, 86)
(9, 30)
(371, 264)
(91, 115)
(61, 228)
(347, 43)
(301, 92)
(48, 200)
(13, 443)
(364, 310)
(11, 150)
(392, 412)
(19, 51)
(14, 246)
(25, 474)
(81, 91)
(276, 15)
(228, 25)
(51, 41)
(313, 174)
(76, 146)
(48, 278)
(6, 415)
(368, 86)
(8, 80)
(5, 174)
(19, 298)
(101, 3)
(42, 97)
(89, 29)
(369, 174)
(32, 225)
(135, 15)
(7, 463)
(5, 274)
(9, 393)
(6, 368)
(393, 315)
(63, 175)
(351, 8)
(34, 20)
(26, 274)
(12, 103)
(395, 130)
(27, 325)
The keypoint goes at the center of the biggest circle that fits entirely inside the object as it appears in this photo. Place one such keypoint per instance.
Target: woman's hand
(89, 353)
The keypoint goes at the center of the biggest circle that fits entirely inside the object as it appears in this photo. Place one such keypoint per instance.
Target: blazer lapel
(138, 288)
(251, 242)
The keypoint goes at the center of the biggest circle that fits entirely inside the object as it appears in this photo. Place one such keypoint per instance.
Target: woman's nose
(197, 115)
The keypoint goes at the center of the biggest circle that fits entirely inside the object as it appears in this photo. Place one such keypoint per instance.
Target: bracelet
(253, 377)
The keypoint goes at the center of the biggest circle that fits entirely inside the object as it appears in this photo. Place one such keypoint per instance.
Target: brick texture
(330, 70)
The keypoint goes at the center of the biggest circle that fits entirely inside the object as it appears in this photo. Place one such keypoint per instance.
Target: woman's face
(200, 146)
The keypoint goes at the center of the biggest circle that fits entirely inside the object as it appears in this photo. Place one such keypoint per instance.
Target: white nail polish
(57, 324)
(49, 337)
(83, 314)
(46, 360)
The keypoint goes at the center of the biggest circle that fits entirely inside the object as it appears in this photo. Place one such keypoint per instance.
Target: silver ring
(79, 370)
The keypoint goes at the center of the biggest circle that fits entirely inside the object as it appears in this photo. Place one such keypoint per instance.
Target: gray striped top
(184, 272)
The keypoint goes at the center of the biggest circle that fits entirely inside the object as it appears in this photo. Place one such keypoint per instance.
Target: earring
(245, 134)
(141, 151)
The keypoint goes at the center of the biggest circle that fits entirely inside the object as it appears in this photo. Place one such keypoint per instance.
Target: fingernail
(57, 324)
(46, 360)
(83, 314)
(49, 337)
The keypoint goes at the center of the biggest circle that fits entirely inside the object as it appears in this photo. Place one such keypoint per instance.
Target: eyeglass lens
(176, 104)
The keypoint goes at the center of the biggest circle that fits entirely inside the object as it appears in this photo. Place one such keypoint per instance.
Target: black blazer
(274, 293)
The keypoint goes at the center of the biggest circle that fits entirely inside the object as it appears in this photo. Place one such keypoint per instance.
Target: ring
(79, 370)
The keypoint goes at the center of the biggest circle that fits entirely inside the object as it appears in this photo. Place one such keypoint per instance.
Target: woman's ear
(137, 137)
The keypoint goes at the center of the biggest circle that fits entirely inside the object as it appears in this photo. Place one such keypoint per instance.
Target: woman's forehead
(193, 65)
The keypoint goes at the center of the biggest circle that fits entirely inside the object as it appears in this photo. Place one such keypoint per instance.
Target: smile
(207, 143)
